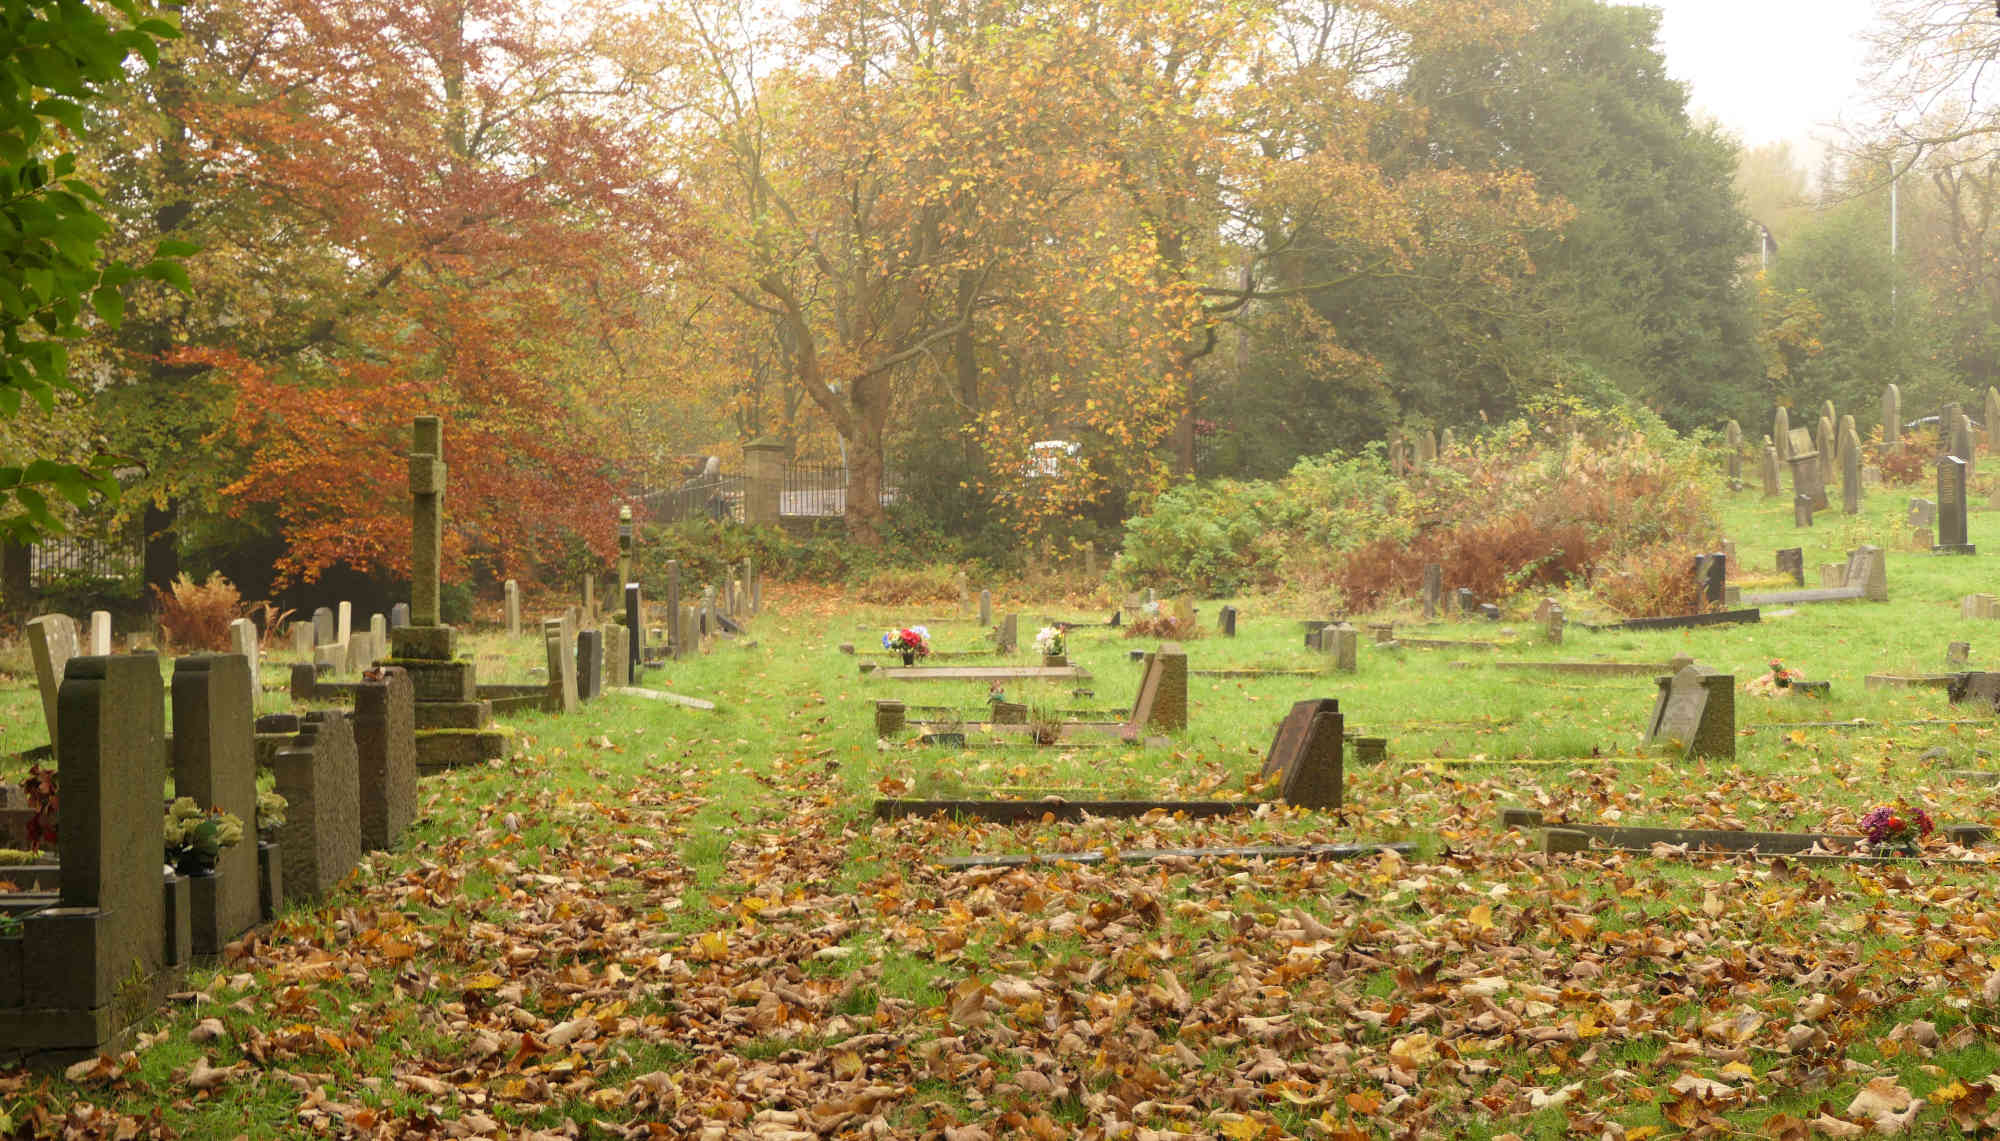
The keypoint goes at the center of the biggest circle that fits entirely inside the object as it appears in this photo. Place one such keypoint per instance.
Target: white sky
(1770, 70)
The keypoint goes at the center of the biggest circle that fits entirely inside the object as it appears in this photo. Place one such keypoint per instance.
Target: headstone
(1850, 473)
(1162, 699)
(345, 624)
(112, 717)
(1922, 513)
(1802, 510)
(1832, 576)
(385, 745)
(1553, 623)
(1769, 470)
(1305, 755)
(1697, 707)
(985, 607)
(617, 654)
(635, 625)
(319, 775)
(1433, 590)
(378, 634)
(1732, 435)
(590, 597)
(1957, 654)
(1947, 427)
(302, 639)
(1951, 507)
(323, 627)
(52, 642)
(1007, 636)
(1921, 539)
(1828, 446)
(1468, 602)
(243, 640)
(589, 665)
(562, 667)
(709, 623)
(1808, 477)
(1344, 643)
(1992, 420)
(1977, 687)
(1892, 417)
(1710, 575)
(889, 718)
(1226, 619)
(1781, 431)
(215, 763)
(399, 616)
(513, 593)
(427, 476)
(754, 585)
(1962, 444)
(1868, 568)
(690, 633)
(100, 633)
(1489, 611)
(1792, 560)
(1447, 443)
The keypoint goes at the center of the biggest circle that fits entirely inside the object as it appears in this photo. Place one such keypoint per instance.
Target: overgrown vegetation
(1599, 498)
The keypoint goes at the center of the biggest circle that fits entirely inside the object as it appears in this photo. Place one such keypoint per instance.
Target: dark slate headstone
(590, 665)
(385, 743)
(1792, 560)
(1489, 611)
(1710, 575)
(319, 775)
(1977, 687)
(1467, 600)
(1226, 618)
(635, 623)
(1951, 537)
(399, 616)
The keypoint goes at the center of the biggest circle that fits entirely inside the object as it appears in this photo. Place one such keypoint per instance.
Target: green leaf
(110, 305)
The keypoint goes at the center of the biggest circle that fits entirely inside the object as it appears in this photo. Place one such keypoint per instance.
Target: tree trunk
(16, 593)
(163, 552)
(865, 462)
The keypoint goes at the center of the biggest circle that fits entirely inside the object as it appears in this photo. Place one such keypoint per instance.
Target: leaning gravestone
(52, 641)
(1808, 476)
(215, 763)
(1696, 707)
(385, 746)
(1305, 754)
(319, 775)
(1162, 699)
(1951, 535)
(562, 678)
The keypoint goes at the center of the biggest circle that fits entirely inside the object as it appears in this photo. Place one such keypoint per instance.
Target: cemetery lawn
(659, 922)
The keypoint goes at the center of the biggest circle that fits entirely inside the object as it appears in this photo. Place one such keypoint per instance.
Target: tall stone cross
(426, 519)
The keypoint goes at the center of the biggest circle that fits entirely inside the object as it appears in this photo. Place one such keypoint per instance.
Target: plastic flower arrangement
(1049, 641)
(910, 640)
(1777, 683)
(195, 838)
(1897, 825)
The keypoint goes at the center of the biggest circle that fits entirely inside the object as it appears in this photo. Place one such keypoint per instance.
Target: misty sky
(1770, 69)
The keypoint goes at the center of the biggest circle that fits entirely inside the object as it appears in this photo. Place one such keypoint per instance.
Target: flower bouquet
(1899, 826)
(1049, 644)
(195, 838)
(913, 641)
(1777, 683)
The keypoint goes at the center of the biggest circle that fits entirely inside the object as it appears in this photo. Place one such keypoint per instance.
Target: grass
(711, 892)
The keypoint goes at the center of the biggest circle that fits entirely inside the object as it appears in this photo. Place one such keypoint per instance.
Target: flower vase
(909, 657)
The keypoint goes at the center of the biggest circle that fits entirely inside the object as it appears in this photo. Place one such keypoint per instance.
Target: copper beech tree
(465, 227)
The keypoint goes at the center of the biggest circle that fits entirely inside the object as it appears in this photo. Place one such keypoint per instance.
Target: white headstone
(100, 633)
(243, 640)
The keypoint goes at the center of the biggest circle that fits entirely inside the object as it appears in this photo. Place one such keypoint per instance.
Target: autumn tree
(448, 216)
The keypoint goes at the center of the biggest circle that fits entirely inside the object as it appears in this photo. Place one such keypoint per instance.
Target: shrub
(197, 617)
(903, 586)
(1650, 583)
(1913, 463)
(1164, 626)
